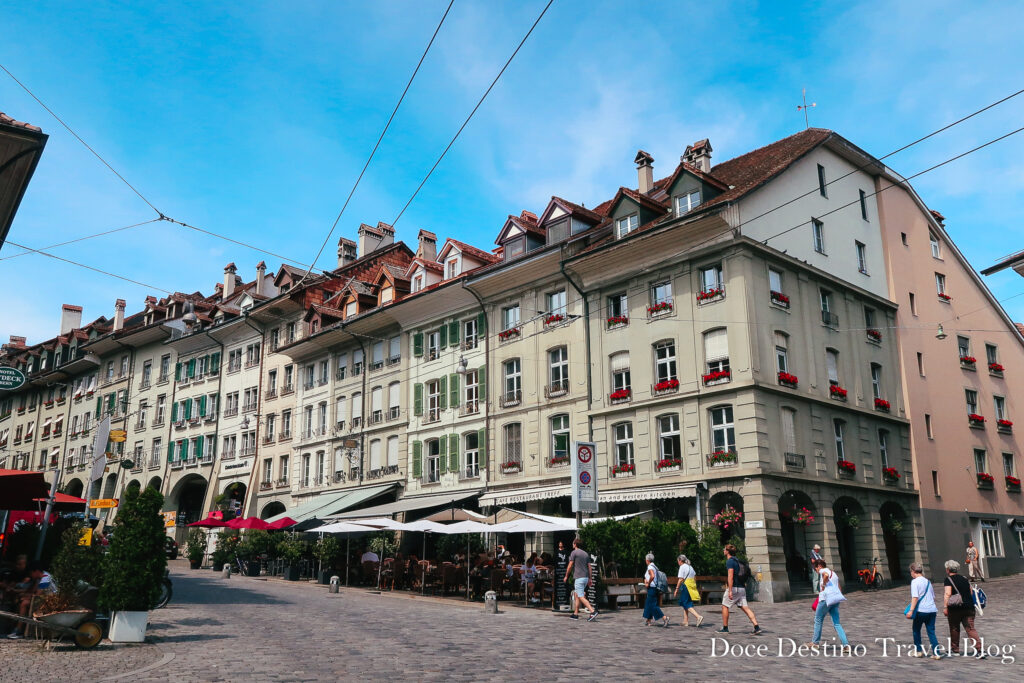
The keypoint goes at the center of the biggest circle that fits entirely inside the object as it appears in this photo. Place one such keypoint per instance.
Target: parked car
(171, 548)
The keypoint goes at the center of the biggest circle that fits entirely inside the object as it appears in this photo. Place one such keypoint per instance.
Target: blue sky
(253, 120)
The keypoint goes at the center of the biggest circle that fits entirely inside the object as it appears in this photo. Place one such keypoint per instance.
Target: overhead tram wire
(377, 144)
(96, 270)
(466, 122)
(81, 239)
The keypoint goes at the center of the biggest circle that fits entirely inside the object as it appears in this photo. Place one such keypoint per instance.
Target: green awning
(333, 502)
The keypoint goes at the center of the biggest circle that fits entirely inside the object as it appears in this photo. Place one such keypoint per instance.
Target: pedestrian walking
(959, 609)
(815, 576)
(974, 569)
(922, 610)
(828, 603)
(579, 566)
(686, 589)
(651, 609)
(737, 573)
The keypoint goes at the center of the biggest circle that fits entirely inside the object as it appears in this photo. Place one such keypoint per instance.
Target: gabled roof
(526, 221)
(467, 249)
(684, 167)
(14, 123)
(427, 265)
(642, 200)
(571, 208)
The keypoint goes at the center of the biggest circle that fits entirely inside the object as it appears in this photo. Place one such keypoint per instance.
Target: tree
(134, 566)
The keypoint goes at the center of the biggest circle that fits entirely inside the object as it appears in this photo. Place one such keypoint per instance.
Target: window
(936, 247)
(510, 317)
(433, 469)
(472, 402)
(863, 205)
(387, 294)
(1000, 407)
(869, 318)
(781, 352)
(357, 362)
(394, 349)
(165, 367)
(357, 409)
(913, 304)
(716, 350)
(862, 258)
(876, 380)
(558, 361)
(452, 268)
(883, 447)
(832, 366)
(556, 302)
(271, 428)
(433, 344)
(838, 426)
(513, 443)
(825, 297)
(268, 471)
(661, 293)
(991, 543)
(991, 354)
(687, 202)
(557, 231)
(340, 411)
(963, 345)
(147, 372)
(920, 363)
(980, 460)
(775, 280)
(618, 306)
(928, 425)
(665, 361)
(306, 460)
(821, 181)
(282, 469)
(711, 278)
(623, 443)
(626, 225)
(935, 484)
(472, 451)
(342, 364)
(393, 451)
(307, 422)
(789, 430)
(377, 405)
(286, 424)
(376, 356)
(513, 379)
(723, 433)
(394, 400)
(669, 447)
(289, 377)
(619, 363)
(1008, 464)
(433, 400)
(470, 334)
(375, 455)
(560, 438)
(275, 339)
(417, 283)
(940, 284)
(818, 233)
(351, 308)
(972, 401)
(289, 333)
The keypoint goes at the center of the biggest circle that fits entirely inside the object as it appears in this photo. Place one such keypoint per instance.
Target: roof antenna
(804, 107)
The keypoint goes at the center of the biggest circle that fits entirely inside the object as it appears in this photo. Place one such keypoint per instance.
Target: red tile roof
(7, 120)
(478, 254)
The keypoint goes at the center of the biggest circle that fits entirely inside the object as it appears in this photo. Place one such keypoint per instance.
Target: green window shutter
(442, 460)
(174, 412)
(417, 459)
(481, 380)
(170, 452)
(453, 332)
(481, 323)
(182, 449)
(202, 406)
(443, 334)
(453, 452)
(177, 372)
(213, 445)
(215, 363)
(111, 402)
(417, 344)
(199, 447)
(453, 390)
(124, 402)
(192, 368)
(417, 399)
(99, 406)
(481, 440)
(188, 408)
(442, 399)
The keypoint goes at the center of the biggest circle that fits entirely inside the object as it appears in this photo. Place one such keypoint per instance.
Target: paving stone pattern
(244, 629)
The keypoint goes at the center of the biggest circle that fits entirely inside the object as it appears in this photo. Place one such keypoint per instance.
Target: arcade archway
(272, 508)
(798, 516)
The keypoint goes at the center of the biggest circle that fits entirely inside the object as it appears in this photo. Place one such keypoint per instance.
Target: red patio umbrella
(247, 523)
(63, 502)
(282, 523)
(209, 522)
(20, 489)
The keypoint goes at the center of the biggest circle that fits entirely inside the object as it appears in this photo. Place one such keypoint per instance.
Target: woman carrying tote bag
(828, 603)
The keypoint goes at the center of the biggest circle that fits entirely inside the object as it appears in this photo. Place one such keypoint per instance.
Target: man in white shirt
(974, 569)
(369, 556)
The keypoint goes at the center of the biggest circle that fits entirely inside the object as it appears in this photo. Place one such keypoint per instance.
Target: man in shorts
(735, 593)
(579, 567)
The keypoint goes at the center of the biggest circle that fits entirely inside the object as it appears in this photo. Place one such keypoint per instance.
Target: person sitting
(369, 556)
(42, 584)
(530, 576)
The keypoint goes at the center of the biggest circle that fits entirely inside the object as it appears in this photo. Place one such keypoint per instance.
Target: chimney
(70, 318)
(428, 246)
(119, 314)
(645, 171)
(370, 239)
(346, 252)
(528, 216)
(261, 274)
(388, 234)
(17, 342)
(229, 280)
(938, 217)
(699, 154)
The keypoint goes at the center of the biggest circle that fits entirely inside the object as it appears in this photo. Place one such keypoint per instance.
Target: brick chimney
(229, 280)
(347, 252)
(17, 342)
(645, 171)
(699, 154)
(119, 314)
(70, 318)
(261, 275)
(427, 249)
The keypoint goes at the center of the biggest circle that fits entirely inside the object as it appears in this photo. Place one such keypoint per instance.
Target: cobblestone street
(270, 630)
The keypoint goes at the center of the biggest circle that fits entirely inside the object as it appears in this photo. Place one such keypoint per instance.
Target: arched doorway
(74, 488)
(231, 499)
(849, 519)
(272, 508)
(109, 485)
(133, 484)
(725, 511)
(186, 498)
(798, 516)
(894, 521)
(154, 483)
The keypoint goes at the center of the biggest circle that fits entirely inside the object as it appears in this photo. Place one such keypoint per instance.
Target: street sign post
(584, 476)
(118, 435)
(104, 503)
(11, 378)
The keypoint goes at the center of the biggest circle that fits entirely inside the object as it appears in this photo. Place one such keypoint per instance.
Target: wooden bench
(632, 589)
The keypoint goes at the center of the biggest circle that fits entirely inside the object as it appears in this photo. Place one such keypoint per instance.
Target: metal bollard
(335, 582)
(226, 572)
(491, 602)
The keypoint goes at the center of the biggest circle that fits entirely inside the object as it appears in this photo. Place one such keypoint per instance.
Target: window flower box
(89, 394)
(882, 404)
(617, 321)
(995, 368)
(559, 461)
(788, 380)
(48, 403)
(976, 420)
(709, 295)
(660, 308)
(667, 386)
(890, 474)
(779, 299)
(968, 361)
(627, 469)
(61, 400)
(510, 333)
(716, 377)
(668, 465)
(985, 480)
(21, 410)
(1012, 483)
(620, 396)
(945, 297)
(1004, 425)
(554, 319)
(837, 392)
(722, 458)
(874, 335)
(511, 467)
(846, 467)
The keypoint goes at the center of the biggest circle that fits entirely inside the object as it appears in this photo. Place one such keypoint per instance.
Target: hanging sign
(584, 476)
(11, 378)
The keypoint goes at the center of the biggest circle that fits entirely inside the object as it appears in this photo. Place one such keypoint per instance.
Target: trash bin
(335, 582)
(491, 602)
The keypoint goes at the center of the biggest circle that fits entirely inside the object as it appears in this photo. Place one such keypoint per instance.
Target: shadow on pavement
(217, 591)
(193, 637)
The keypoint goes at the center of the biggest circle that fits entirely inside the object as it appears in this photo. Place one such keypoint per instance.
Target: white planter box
(673, 468)
(128, 627)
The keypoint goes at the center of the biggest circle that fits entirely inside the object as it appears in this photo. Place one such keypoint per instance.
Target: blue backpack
(661, 582)
(978, 596)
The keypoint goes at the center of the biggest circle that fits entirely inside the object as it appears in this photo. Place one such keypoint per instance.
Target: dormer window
(417, 283)
(387, 294)
(514, 248)
(558, 231)
(285, 288)
(452, 268)
(351, 308)
(687, 202)
(626, 225)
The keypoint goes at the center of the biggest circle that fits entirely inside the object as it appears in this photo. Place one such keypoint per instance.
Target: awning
(648, 493)
(330, 503)
(19, 489)
(524, 495)
(409, 504)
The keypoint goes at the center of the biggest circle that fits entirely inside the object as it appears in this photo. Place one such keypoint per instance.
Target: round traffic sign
(584, 454)
(584, 477)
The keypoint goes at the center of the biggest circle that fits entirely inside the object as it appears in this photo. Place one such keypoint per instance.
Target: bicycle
(872, 577)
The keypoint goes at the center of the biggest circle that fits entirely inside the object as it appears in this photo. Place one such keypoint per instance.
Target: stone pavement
(271, 630)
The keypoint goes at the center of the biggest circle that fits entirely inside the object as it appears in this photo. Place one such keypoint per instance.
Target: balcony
(282, 482)
(469, 408)
(271, 393)
(795, 461)
(163, 379)
(268, 439)
(376, 365)
(247, 451)
(255, 363)
(231, 411)
(357, 422)
(357, 369)
(228, 454)
(557, 388)
(829, 319)
(778, 299)
(710, 295)
(376, 417)
(382, 472)
(306, 386)
(250, 407)
(555, 319)
(266, 485)
(394, 412)
(394, 360)
(286, 435)
(511, 399)
(431, 354)
(177, 464)
(340, 373)
(288, 389)
(144, 384)
(660, 309)
(620, 396)
(234, 367)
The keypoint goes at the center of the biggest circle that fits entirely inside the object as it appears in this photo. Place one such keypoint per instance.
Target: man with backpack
(737, 572)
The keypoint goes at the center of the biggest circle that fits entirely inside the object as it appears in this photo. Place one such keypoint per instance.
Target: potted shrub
(73, 567)
(327, 549)
(290, 549)
(133, 569)
(252, 548)
(195, 547)
(224, 551)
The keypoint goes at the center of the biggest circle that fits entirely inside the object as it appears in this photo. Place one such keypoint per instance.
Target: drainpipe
(586, 346)
(259, 392)
(487, 364)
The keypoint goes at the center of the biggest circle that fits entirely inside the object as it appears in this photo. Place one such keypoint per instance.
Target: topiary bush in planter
(291, 549)
(327, 549)
(195, 547)
(224, 550)
(74, 568)
(254, 546)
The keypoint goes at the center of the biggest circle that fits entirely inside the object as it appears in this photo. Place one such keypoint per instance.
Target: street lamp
(941, 334)
(463, 364)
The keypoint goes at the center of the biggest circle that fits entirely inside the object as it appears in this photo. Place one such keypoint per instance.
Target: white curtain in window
(375, 454)
(394, 394)
(716, 345)
(378, 352)
(789, 429)
(620, 361)
(357, 406)
(393, 451)
(832, 363)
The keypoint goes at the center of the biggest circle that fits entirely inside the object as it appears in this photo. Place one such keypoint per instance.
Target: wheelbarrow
(79, 624)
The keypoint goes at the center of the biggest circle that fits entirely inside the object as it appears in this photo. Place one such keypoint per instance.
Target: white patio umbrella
(466, 527)
(348, 529)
